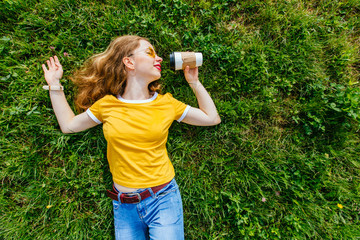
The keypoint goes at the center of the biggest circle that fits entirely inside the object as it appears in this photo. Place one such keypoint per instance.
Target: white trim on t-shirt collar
(138, 101)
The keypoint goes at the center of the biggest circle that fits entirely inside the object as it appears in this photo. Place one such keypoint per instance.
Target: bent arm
(206, 114)
(69, 123)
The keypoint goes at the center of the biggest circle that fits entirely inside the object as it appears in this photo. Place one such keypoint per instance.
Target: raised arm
(69, 123)
(206, 114)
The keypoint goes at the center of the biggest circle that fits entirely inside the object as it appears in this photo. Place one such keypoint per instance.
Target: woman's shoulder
(108, 97)
(105, 99)
(165, 95)
(168, 97)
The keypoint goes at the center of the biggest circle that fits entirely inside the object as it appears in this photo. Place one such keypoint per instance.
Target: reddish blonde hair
(105, 73)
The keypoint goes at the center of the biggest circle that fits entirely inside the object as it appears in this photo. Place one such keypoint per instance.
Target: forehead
(145, 44)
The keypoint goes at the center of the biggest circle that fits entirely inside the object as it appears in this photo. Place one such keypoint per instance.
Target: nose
(158, 59)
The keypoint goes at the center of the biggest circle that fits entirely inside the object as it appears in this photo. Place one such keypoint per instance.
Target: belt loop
(151, 192)
(119, 198)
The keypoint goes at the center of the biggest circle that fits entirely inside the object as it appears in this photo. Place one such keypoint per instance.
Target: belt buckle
(138, 196)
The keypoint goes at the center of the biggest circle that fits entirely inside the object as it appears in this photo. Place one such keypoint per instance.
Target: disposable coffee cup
(179, 60)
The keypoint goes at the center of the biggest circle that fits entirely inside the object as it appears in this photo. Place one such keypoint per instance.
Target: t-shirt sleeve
(95, 112)
(180, 108)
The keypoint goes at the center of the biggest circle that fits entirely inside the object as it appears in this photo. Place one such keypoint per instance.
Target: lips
(158, 66)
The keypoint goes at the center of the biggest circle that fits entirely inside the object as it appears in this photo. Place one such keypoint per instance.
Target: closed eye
(151, 52)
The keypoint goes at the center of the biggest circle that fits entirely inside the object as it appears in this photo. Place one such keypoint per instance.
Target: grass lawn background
(284, 162)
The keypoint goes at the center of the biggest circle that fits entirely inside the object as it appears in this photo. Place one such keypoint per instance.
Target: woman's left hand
(191, 74)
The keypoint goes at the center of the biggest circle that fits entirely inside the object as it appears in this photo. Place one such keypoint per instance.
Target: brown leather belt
(134, 197)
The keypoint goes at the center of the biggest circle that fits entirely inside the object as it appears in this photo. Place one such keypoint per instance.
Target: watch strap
(55, 88)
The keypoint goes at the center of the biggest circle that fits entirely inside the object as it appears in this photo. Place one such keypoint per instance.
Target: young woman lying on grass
(119, 89)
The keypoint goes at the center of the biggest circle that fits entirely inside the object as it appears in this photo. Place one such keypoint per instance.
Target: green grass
(283, 74)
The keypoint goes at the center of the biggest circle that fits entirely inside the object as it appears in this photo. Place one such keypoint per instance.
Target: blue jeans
(159, 216)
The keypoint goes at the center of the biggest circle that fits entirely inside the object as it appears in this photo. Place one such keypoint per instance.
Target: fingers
(53, 63)
(186, 71)
(187, 68)
(48, 64)
(190, 71)
(57, 62)
(44, 68)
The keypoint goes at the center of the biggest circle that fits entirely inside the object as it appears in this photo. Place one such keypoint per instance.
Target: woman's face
(147, 63)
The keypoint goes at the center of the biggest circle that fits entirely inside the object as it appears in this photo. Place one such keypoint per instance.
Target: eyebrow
(151, 48)
(148, 48)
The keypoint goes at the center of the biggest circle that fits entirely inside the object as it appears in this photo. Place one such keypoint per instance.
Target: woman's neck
(136, 90)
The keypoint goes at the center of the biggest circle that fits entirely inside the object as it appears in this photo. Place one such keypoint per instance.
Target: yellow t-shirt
(136, 132)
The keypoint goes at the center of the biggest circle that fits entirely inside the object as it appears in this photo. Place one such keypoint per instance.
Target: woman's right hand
(54, 73)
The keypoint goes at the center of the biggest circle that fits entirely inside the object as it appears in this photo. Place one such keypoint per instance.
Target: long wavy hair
(105, 73)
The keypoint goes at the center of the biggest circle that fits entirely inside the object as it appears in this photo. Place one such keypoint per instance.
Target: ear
(129, 63)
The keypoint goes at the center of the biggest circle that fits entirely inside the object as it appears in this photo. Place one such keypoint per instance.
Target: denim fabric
(158, 217)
